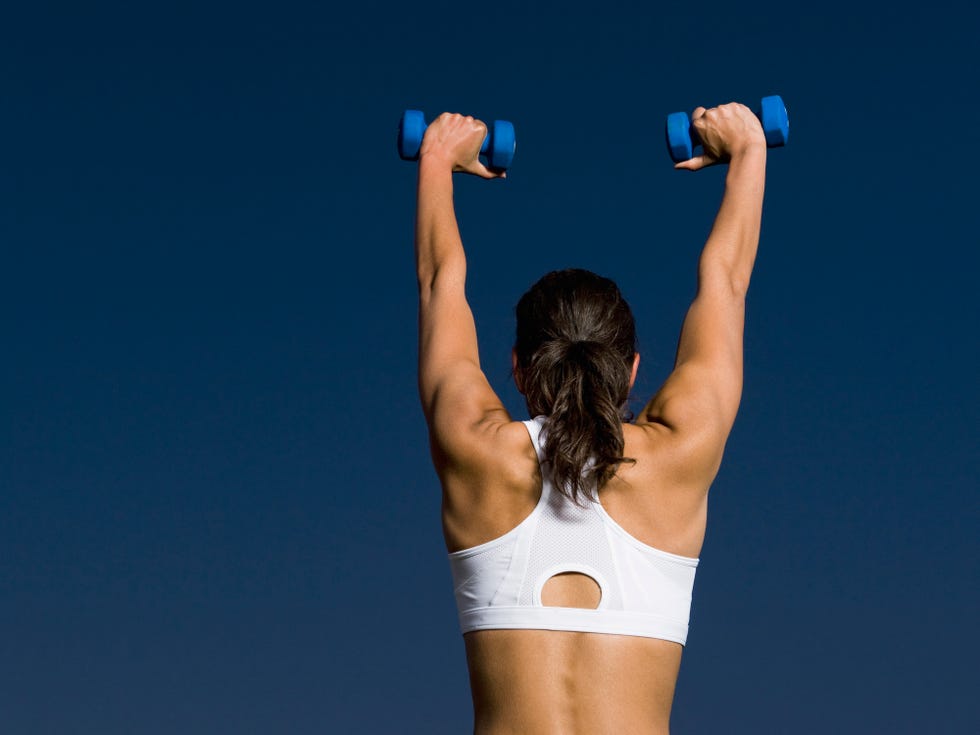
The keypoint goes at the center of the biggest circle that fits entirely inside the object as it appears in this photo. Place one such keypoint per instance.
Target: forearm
(438, 247)
(734, 240)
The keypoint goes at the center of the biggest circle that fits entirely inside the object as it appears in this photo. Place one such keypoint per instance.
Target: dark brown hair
(575, 344)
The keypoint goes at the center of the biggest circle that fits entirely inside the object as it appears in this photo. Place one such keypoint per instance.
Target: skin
(537, 682)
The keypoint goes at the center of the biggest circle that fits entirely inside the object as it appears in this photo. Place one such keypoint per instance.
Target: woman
(574, 537)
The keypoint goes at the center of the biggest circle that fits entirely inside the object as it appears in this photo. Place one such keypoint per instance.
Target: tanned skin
(539, 682)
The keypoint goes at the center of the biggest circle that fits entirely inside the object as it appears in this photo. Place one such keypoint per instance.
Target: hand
(456, 140)
(726, 132)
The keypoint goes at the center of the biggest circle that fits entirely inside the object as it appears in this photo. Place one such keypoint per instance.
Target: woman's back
(567, 681)
(546, 682)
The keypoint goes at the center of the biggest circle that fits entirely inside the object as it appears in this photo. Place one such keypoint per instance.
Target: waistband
(618, 622)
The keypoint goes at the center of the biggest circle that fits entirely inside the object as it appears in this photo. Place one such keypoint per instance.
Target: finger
(698, 112)
(475, 167)
(694, 164)
(487, 173)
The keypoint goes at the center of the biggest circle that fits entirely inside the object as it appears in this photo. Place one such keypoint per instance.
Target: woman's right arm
(696, 406)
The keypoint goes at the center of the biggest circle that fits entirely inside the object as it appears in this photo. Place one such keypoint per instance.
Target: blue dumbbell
(681, 137)
(498, 147)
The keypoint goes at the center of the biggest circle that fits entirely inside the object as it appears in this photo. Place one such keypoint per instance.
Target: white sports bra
(644, 591)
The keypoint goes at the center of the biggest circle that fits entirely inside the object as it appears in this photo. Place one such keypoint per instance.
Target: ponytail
(575, 347)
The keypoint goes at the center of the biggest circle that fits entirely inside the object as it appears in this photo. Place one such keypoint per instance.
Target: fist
(726, 131)
(456, 140)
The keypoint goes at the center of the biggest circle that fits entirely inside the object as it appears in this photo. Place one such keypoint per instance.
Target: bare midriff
(544, 682)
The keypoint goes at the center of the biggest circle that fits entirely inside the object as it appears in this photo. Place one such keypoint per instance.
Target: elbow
(724, 276)
(448, 274)
(740, 283)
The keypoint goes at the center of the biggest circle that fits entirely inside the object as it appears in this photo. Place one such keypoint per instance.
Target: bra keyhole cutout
(571, 589)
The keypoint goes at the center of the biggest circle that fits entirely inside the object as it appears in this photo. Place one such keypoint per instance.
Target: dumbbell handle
(682, 136)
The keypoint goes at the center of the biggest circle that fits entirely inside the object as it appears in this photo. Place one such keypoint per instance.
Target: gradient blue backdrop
(217, 513)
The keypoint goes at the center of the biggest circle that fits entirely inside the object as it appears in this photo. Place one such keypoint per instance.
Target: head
(575, 362)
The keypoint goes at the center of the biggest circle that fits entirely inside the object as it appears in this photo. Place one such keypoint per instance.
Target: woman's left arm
(457, 399)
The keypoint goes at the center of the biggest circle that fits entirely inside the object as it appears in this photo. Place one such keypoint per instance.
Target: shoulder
(490, 482)
(661, 500)
(473, 448)
(687, 460)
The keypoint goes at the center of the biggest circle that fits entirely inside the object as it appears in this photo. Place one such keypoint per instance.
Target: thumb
(482, 171)
(692, 164)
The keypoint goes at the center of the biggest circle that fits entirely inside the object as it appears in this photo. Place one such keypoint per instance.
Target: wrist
(435, 160)
(752, 150)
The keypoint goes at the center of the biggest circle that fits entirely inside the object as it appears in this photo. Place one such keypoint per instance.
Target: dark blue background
(217, 512)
